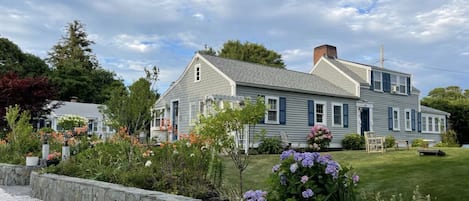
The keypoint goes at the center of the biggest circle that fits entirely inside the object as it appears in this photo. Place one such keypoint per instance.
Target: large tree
(76, 71)
(251, 52)
(32, 94)
(12, 59)
(454, 100)
(131, 108)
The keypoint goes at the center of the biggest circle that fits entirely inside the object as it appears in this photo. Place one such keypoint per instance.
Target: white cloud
(189, 40)
(139, 43)
(199, 16)
(296, 54)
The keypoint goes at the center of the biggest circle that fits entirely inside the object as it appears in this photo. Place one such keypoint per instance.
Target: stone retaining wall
(53, 187)
(15, 174)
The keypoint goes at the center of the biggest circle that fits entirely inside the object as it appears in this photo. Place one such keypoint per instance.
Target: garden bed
(53, 187)
(11, 175)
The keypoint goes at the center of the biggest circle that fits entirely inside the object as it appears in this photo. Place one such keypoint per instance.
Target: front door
(175, 120)
(365, 119)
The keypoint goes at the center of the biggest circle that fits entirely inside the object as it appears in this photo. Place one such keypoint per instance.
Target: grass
(390, 173)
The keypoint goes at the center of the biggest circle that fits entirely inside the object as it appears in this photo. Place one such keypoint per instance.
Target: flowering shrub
(256, 195)
(70, 121)
(54, 156)
(311, 176)
(320, 137)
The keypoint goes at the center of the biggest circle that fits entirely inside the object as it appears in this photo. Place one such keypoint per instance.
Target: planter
(32, 160)
(52, 162)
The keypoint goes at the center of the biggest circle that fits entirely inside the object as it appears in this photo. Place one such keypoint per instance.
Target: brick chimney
(324, 50)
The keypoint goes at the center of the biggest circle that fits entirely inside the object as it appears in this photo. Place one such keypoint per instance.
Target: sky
(429, 39)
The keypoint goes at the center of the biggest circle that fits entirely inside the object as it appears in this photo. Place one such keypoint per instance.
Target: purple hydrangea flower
(293, 167)
(276, 168)
(355, 179)
(307, 162)
(304, 179)
(307, 193)
(333, 168)
(286, 154)
(257, 195)
(298, 156)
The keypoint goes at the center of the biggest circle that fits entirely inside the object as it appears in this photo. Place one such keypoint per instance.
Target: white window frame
(396, 118)
(443, 124)
(376, 75)
(430, 124)
(341, 115)
(197, 73)
(159, 115)
(424, 123)
(192, 114)
(408, 121)
(277, 110)
(324, 112)
(437, 124)
(400, 84)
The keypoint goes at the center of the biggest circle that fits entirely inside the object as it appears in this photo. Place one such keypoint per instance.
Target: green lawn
(390, 173)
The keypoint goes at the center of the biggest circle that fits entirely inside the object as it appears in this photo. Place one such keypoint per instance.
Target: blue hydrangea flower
(257, 195)
(333, 168)
(298, 156)
(307, 193)
(286, 154)
(276, 168)
(355, 179)
(293, 167)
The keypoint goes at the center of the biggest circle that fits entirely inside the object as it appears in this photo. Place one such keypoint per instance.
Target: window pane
(393, 79)
(396, 119)
(319, 118)
(272, 104)
(272, 116)
(430, 124)
(337, 115)
(319, 108)
(436, 125)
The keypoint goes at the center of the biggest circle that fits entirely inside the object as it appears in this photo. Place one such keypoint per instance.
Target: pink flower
(304, 179)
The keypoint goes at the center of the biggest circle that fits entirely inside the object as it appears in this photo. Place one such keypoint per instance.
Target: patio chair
(285, 142)
(374, 143)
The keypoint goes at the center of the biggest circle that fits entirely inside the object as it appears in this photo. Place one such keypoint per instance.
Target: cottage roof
(251, 74)
(429, 110)
(88, 110)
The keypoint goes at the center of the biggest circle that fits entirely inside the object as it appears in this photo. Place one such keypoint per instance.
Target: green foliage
(12, 59)
(419, 143)
(311, 176)
(270, 145)
(454, 100)
(353, 141)
(251, 52)
(449, 138)
(389, 141)
(131, 108)
(417, 196)
(21, 138)
(70, 121)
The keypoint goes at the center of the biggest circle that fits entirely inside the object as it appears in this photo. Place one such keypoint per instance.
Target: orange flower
(3, 141)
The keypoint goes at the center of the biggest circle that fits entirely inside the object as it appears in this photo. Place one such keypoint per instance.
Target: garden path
(16, 193)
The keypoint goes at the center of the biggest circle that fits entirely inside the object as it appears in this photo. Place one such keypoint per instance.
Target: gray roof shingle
(88, 110)
(430, 110)
(250, 74)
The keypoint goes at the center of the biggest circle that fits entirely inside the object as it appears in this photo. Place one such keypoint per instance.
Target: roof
(374, 67)
(429, 110)
(346, 70)
(257, 75)
(88, 110)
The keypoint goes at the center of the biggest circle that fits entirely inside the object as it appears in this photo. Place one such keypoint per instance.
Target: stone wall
(53, 187)
(15, 174)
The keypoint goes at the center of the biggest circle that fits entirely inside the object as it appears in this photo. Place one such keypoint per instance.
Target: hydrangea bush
(70, 121)
(320, 137)
(309, 176)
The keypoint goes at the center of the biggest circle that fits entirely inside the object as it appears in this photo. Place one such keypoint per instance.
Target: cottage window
(430, 124)
(159, 117)
(424, 123)
(377, 81)
(402, 84)
(437, 124)
(337, 114)
(395, 118)
(197, 73)
(320, 109)
(272, 105)
(408, 124)
(443, 125)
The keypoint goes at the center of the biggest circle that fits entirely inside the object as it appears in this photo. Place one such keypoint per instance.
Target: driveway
(16, 193)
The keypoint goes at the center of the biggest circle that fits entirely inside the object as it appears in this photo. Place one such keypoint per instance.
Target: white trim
(359, 120)
(409, 120)
(324, 113)
(394, 127)
(380, 81)
(276, 98)
(171, 109)
(441, 124)
(333, 104)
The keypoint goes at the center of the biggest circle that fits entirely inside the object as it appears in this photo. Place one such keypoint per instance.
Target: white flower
(148, 163)
(192, 155)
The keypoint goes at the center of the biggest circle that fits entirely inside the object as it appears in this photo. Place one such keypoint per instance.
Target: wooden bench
(405, 142)
(424, 152)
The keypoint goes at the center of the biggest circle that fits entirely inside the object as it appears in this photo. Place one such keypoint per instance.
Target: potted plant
(31, 160)
(53, 158)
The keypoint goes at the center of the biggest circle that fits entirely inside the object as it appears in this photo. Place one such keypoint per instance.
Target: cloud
(189, 40)
(296, 54)
(199, 16)
(139, 43)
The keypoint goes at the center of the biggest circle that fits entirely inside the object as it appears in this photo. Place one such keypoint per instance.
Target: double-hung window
(437, 124)
(377, 81)
(408, 123)
(402, 84)
(337, 114)
(272, 105)
(430, 124)
(320, 111)
(424, 124)
(395, 119)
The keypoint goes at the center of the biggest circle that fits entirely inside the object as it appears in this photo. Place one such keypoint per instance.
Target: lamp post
(45, 149)
(65, 148)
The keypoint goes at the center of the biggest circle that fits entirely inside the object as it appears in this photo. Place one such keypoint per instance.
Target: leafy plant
(270, 145)
(70, 121)
(389, 141)
(320, 137)
(449, 138)
(353, 141)
(419, 143)
(21, 138)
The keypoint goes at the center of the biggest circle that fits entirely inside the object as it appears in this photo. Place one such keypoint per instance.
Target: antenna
(381, 56)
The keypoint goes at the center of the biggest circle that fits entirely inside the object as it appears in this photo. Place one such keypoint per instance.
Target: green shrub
(389, 141)
(353, 141)
(270, 145)
(449, 138)
(46, 130)
(419, 143)
(416, 196)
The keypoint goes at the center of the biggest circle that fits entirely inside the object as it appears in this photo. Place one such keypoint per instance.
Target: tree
(32, 94)
(131, 108)
(76, 71)
(12, 59)
(208, 51)
(454, 100)
(251, 52)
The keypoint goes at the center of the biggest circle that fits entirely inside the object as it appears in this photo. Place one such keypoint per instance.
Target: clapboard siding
(297, 115)
(324, 70)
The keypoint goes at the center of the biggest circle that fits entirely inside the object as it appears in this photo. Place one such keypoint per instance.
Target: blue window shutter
(419, 122)
(408, 85)
(372, 85)
(413, 119)
(386, 82)
(390, 118)
(283, 110)
(262, 121)
(310, 113)
(345, 113)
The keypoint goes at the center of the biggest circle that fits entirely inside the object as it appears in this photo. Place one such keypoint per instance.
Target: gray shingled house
(345, 96)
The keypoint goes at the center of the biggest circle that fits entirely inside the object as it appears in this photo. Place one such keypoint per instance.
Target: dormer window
(197, 73)
(377, 81)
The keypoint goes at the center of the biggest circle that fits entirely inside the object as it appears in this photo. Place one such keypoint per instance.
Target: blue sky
(429, 39)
